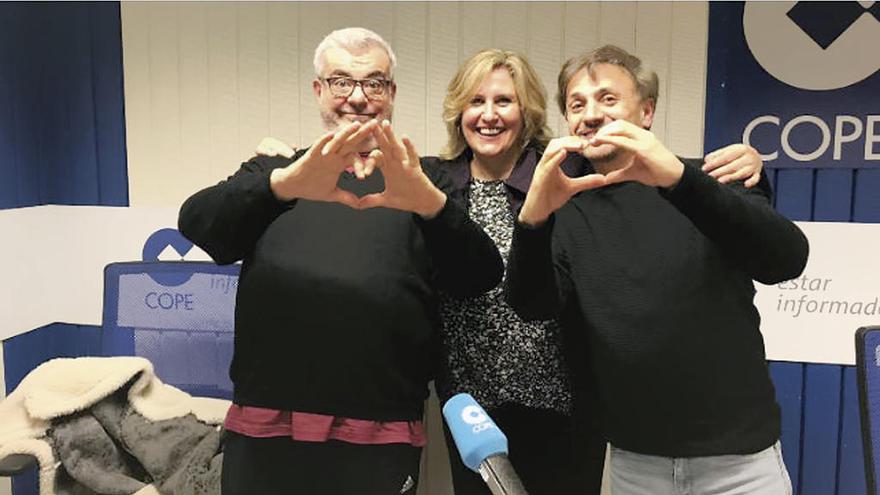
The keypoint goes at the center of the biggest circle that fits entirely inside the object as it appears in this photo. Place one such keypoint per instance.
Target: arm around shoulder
(768, 246)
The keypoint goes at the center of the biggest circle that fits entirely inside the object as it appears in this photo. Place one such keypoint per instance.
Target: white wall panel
(510, 26)
(194, 96)
(617, 23)
(164, 56)
(223, 116)
(444, 46)
(410, 45)
(545, 51)
(252, 66)
(314, 23)
(205, 81)
(653, 42)
(475, 28)
(687, 78)
(580, 33)
(284, 74)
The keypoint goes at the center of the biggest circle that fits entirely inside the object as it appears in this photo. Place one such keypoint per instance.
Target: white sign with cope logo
(796, 80)
(475, 416)
(792, 56)
(786, 51)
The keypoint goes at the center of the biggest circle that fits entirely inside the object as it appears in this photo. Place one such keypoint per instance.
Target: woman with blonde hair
(495, 114)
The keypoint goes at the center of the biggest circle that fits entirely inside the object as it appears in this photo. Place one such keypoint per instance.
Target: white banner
(55, 256)
(54, 259)
(814, 318)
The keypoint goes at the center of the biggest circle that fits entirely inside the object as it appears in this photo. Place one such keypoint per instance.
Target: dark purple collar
(521, 176)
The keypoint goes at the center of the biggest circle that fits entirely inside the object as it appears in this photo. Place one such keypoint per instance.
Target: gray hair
(352, 39)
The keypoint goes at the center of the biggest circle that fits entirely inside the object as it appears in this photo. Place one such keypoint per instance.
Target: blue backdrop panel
(866, 201)
(788, 378)
(818, 471)
(851, 465)
(794, 194)
(833, 200)
(63, 139)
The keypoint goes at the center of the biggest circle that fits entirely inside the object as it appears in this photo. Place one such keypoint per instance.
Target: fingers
(374, 200)
(729, 169)
(553, 159)
(353, 141)
(273, 147)
(321, 143)
(345, 197)
(382, 139)
(573, 144)
(725, 155)
(624, 142)
(412, 156)
(375, 160)
(620, 128)
(753, 180)
(359, 166)
(616, 176)
(335, 145)
(395, 148)
(591, 181)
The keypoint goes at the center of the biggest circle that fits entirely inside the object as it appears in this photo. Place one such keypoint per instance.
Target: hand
(551, 188)
(270, 146)
(735, 162)
(653, 164)
(315, 174)
(407, 187)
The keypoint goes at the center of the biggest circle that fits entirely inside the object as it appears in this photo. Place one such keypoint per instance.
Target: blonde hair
(646, 80)
(530, 93)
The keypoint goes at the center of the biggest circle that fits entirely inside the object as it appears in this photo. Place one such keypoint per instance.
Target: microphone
(482, 446)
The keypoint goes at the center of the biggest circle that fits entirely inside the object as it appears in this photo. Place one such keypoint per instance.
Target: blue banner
(799, 81)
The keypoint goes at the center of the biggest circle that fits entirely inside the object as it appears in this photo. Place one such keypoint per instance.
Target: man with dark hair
(651, 264)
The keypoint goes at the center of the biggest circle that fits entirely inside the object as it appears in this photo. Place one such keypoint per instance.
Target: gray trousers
(762, 473)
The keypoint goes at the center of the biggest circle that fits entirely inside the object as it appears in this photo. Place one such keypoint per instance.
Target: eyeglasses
(342, 87)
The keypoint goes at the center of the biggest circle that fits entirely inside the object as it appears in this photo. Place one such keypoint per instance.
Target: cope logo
(473, 415)
(157, 248)
(815, 45)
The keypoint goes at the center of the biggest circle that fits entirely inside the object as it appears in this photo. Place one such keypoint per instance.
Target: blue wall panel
(818, 470)
(833, 200)
(62, 134)
(794, 193)
(851, 465)
(866, 204)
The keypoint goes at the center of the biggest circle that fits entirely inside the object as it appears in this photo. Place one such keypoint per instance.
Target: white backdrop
(204, 82)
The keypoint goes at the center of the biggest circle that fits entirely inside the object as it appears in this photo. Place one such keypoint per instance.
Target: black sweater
(655, 290)
(336, 311)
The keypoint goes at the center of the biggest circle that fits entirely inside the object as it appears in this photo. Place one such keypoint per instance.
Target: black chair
(868, 372)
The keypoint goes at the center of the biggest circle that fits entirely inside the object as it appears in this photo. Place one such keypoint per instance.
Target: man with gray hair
(336, 313)
(650, 263)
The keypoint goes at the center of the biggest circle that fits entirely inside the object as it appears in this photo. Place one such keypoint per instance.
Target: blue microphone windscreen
(475, 434)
